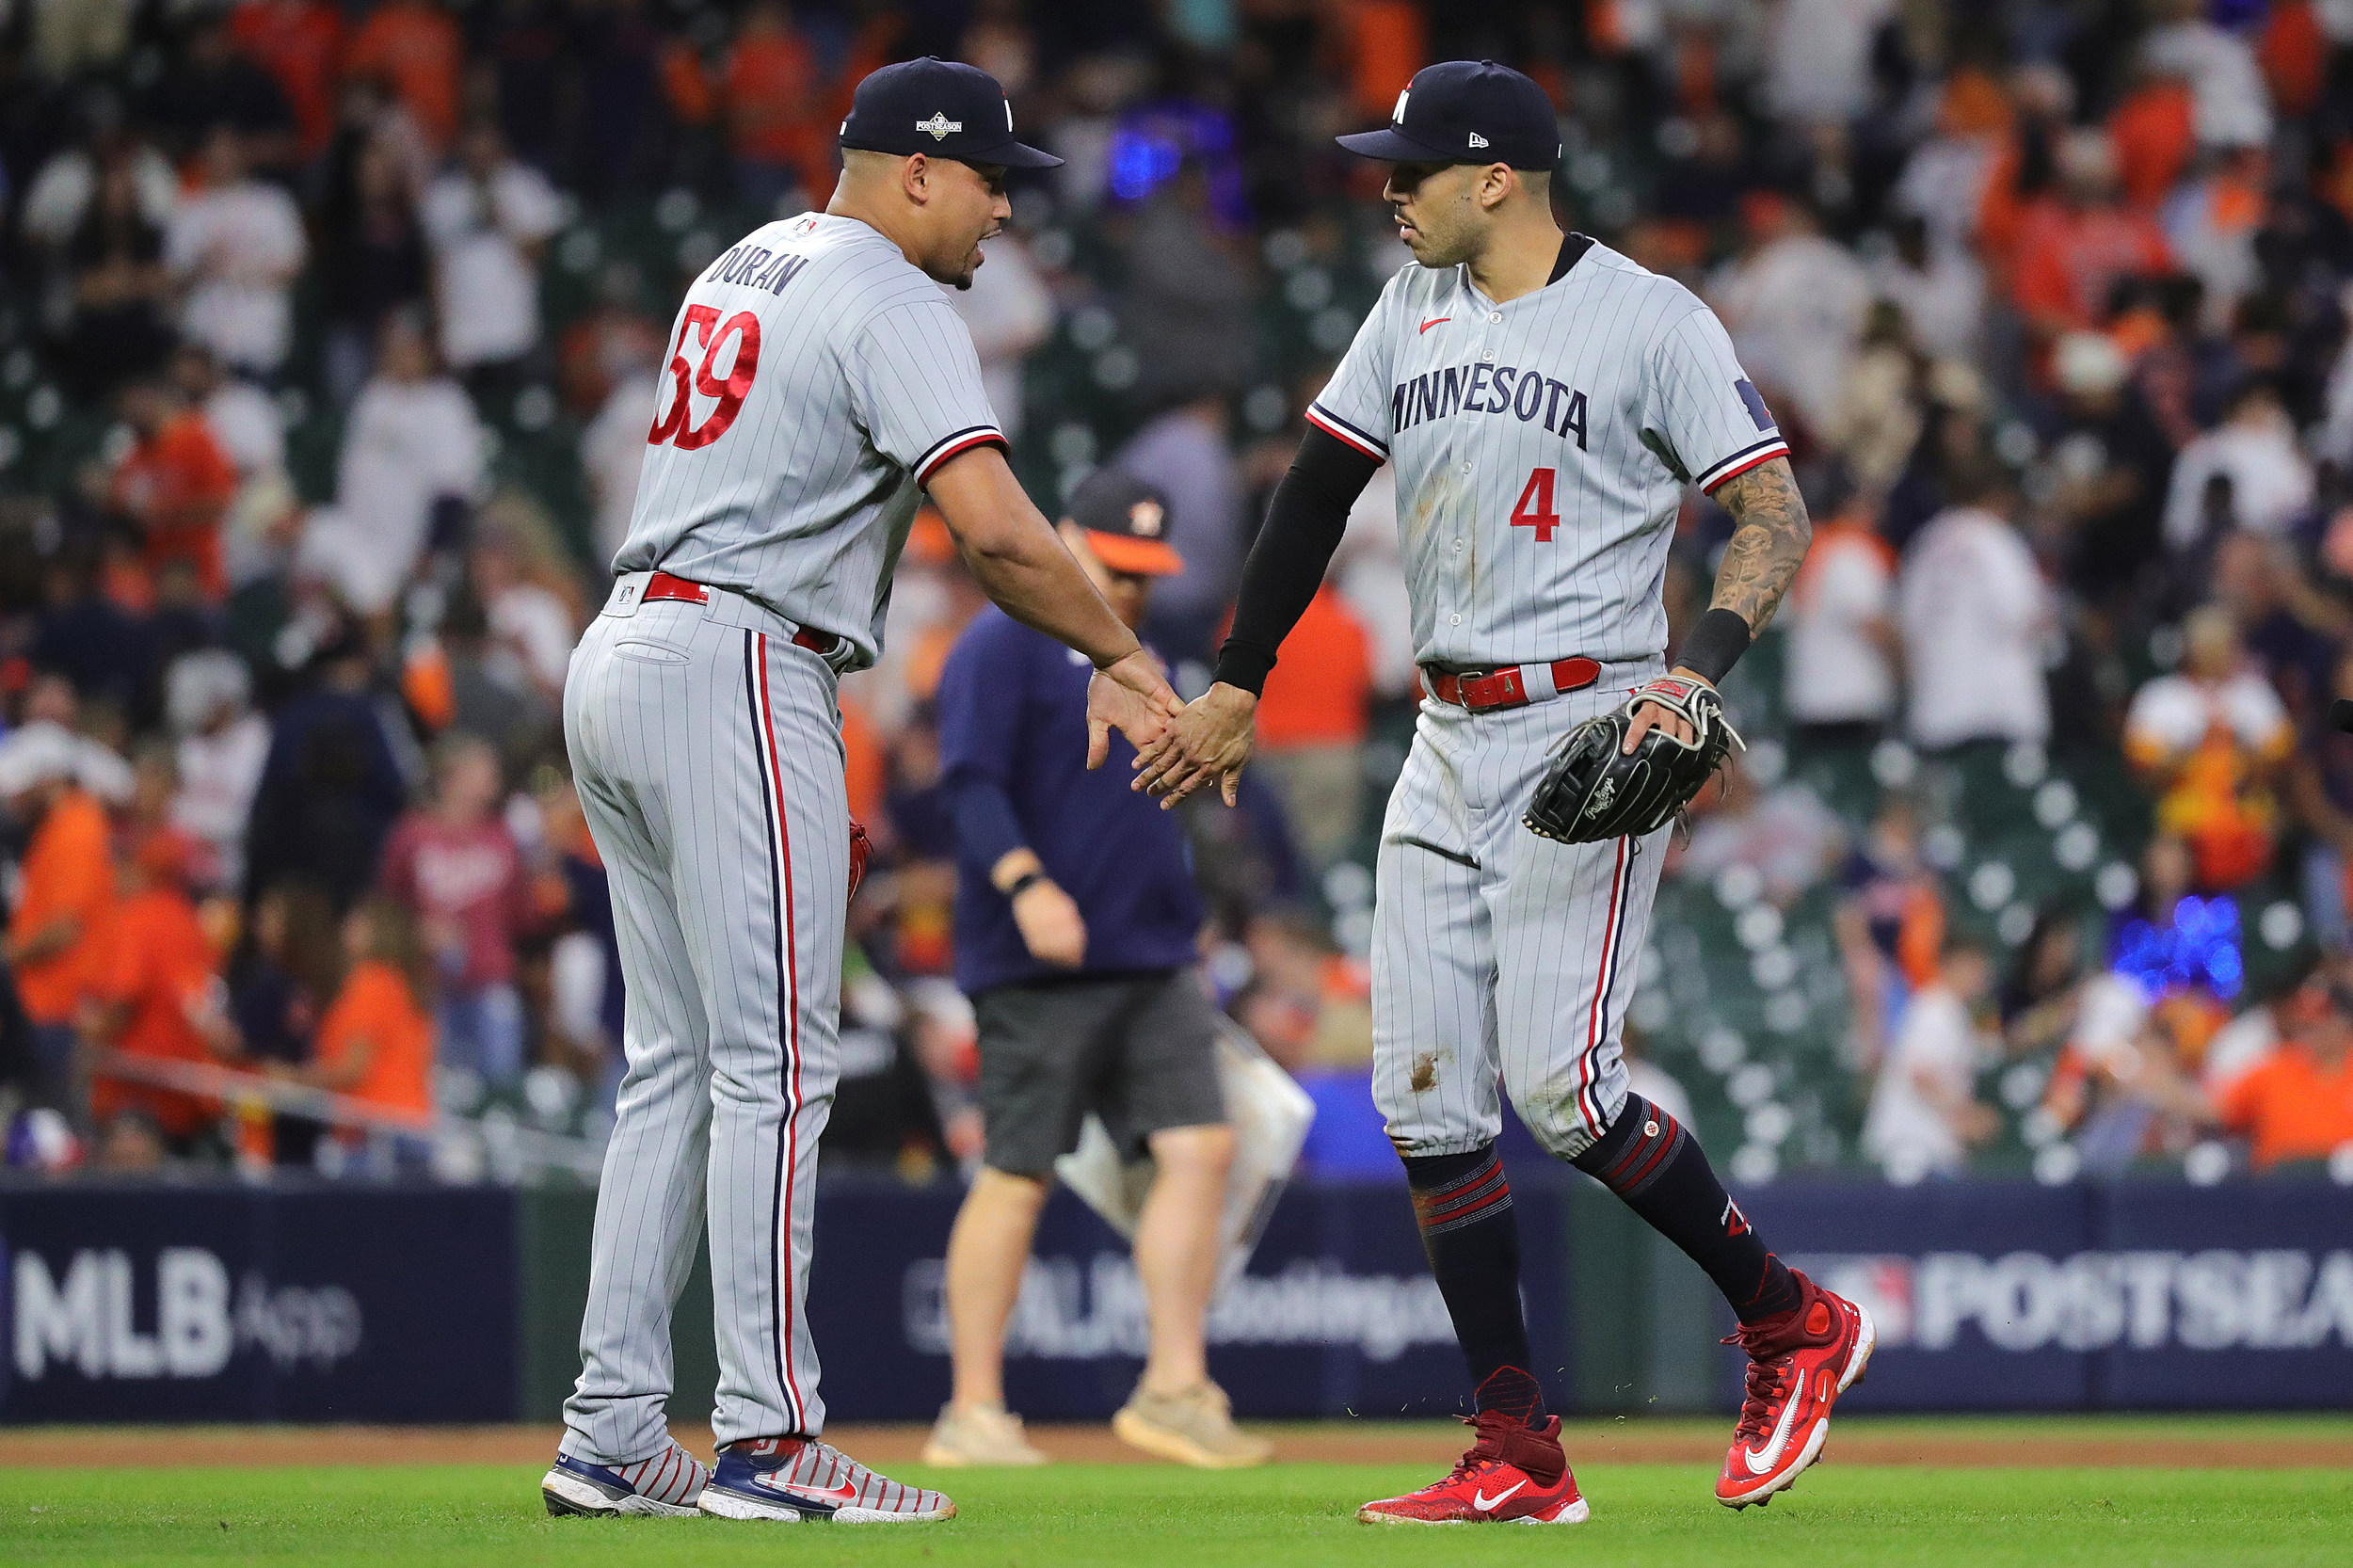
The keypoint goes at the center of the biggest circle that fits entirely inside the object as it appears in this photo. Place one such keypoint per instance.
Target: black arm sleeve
(1303, 524)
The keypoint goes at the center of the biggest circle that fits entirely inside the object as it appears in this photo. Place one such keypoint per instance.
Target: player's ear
(1496, 182)
(915, 177)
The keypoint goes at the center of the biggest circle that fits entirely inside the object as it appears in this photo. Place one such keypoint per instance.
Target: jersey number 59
(703, 321)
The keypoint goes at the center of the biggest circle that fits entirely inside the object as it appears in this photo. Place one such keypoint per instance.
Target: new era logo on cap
(938, 125)
(1478, 140)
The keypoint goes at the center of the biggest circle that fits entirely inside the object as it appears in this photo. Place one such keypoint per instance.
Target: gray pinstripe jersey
(1541, 446)
(816, 379)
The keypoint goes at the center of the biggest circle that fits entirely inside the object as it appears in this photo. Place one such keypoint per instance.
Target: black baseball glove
(1593, 792)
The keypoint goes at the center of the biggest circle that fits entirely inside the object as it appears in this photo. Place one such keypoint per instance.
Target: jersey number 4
(703, 321)
(1534, 509)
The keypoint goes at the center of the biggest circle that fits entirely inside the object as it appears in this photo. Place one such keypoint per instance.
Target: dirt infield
(1959, 1443)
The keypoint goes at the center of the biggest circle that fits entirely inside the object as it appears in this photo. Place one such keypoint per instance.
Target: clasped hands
(1179, 745)
(1211, 738)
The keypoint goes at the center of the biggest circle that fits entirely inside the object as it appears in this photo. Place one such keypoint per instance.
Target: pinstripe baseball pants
(1496, 953)
(706, 752)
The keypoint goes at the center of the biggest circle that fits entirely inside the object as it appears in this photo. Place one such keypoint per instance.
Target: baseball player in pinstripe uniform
(1545, 402)
(819, 384)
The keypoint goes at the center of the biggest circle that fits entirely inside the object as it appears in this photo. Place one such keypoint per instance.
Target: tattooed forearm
(1768, 542)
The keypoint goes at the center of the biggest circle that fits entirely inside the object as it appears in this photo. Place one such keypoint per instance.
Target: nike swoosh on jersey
(1485, 1504)
(1766, 1457)
(1435, 321)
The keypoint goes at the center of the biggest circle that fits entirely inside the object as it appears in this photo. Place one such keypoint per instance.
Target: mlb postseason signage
(1335, 1315)
(220, 1302)
(2139, 1295)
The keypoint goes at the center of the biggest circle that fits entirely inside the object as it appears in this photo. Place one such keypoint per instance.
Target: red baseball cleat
(1513, 1474)
(1798, 1364)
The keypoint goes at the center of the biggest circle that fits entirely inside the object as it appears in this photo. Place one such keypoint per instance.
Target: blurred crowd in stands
(297, 298)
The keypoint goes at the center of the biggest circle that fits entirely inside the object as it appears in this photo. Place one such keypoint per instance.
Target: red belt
(1509, 687)
(662, 586)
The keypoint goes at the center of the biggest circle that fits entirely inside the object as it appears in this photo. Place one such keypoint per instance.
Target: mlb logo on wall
(226, 1304)
(83, 1316)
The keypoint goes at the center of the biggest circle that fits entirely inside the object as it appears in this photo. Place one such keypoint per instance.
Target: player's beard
(1430, 251)
(1435, 253)
(973, 263)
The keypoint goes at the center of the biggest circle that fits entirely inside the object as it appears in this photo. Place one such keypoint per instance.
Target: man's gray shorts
(1138, 1050)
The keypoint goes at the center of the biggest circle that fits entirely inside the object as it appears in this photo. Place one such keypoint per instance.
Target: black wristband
(1026, 881)
(1715, 645)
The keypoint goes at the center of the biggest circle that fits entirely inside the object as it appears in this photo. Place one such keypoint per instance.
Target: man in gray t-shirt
(818, 384)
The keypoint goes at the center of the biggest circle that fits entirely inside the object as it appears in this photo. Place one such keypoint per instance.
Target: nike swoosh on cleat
(1485, 1504)
(1434, 322)
(1766, 1458)
(844, 1494)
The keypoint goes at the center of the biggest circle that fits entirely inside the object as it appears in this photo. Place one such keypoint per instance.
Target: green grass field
(1298, 1514)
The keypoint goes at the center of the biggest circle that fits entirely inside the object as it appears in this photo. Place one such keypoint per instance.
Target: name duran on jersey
(757, 266)
(1490, 388)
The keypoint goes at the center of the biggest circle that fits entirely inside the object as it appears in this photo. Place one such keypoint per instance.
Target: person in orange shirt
(175, 483)
(375, 1043)
(66, 901)
(771, 95)
(158, 994)
(298, 42)
(2154, 138)
(1313, 718)
(1386, 46)
(2297, 1102)
(415, 46)
(2073, 249)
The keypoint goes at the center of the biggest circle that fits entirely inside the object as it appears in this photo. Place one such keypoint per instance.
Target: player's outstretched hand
(1209, 740)
(1649, 715)
(1133, 698)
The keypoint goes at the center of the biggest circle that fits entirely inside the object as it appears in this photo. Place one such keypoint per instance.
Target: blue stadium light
(2199, 949)
(1142, 163)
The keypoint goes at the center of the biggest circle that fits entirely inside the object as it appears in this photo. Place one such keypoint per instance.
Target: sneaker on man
(979, 1435)
(667, 1485)
(1514, 1474)
(1799, 1362)
(1195, 1427)
(787, 1479)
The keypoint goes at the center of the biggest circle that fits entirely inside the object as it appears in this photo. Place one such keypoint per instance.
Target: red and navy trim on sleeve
(962, 441)
(1332, 424)
(1741, 461)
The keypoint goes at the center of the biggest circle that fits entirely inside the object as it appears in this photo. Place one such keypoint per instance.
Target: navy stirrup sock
(1463, 1206)
(1654, 1163)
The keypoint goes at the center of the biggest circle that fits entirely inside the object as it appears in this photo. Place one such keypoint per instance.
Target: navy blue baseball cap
(938, 107)
(1467, 112)
(1126, 523)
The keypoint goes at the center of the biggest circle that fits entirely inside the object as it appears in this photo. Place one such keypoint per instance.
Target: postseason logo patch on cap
(940, 109)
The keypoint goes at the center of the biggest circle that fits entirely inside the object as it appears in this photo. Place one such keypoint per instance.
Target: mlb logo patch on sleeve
(1755, 401)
